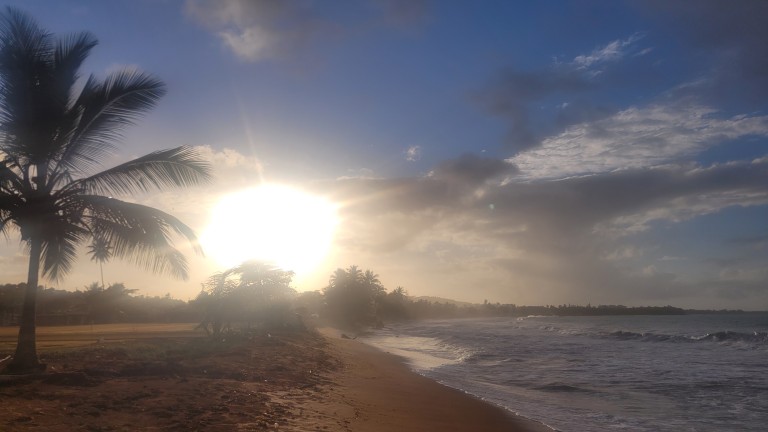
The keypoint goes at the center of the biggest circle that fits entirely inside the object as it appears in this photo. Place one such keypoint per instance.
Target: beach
(375, 391)
(276, 381)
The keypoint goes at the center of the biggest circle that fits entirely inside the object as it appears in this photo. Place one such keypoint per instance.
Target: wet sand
(375, 391)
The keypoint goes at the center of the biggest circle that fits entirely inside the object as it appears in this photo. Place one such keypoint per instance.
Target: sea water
(583, 374)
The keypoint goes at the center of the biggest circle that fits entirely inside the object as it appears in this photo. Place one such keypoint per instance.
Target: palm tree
(253, 291)
(101, 252)
(373, 284)
(54, 131)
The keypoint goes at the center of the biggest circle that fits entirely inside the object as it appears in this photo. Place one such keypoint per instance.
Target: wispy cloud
(635, 138)
(612, 51)
(413, 153)
(524, 98)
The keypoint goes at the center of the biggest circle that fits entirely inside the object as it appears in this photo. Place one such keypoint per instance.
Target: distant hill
(433, 299)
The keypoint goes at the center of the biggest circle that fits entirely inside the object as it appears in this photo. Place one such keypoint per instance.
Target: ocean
(584, 374)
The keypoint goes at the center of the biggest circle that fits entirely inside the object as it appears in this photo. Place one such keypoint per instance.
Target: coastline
(99, 379)
(375, 391)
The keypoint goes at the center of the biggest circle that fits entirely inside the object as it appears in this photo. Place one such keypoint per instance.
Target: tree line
(256, 295)
(93, 305)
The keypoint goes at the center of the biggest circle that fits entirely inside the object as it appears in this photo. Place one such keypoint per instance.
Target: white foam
(421, 353)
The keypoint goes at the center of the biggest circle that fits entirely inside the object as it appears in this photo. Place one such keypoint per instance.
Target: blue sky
(523, 152)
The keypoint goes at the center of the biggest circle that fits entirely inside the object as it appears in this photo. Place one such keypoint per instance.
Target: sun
(278, 224)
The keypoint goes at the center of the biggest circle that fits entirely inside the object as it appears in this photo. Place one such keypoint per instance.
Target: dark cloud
(541, 241)
(472, 170)
(258, 30)
(514, 92)
(543, 102)
(729, 37)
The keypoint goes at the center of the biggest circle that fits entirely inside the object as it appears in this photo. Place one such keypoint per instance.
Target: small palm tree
(101, 252)
(54, 131)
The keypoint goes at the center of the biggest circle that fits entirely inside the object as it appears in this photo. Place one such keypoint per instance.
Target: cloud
(544, 101)
(727, 39)
(413, 153)
(613, 51)
(259, 30)
(623, 253)
(360, 173)
(461, 232)
(256, 30)
(471, 170)
(537, 241)
(720, 60)
(635, 138)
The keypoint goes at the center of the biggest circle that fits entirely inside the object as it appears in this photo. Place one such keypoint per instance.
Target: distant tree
(11, 296)
(101, 252)
(351, 296)
(54, 130)
(250, 293)
(394, 306)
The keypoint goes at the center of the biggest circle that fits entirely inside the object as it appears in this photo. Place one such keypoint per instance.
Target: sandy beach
(279, 381)
(375, 391)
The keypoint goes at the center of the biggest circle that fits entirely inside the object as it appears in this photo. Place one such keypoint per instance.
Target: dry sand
(282, 381)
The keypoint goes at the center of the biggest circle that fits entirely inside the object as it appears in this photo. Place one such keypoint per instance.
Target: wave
(729, 336)
(721, 336)
(560, 387)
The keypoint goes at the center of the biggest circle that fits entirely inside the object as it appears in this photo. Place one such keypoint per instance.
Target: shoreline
(377, 392)
(283, 381)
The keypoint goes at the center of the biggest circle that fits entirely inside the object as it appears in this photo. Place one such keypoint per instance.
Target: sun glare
(273, 223)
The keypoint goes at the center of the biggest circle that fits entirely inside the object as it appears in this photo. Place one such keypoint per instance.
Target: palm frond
(60, 244)
(178, 167)
(9, 179)
(6, 223)
(102, 110)
(25, 103)
(22, 39)
(69, 54)
(140, 234)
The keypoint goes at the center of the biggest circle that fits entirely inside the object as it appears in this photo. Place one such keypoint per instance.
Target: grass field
(72, 336)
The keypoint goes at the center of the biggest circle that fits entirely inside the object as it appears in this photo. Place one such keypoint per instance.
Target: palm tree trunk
(25, 360)
(101, 267)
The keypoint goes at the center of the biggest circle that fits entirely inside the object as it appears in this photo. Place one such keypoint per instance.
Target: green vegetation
(251, 294)
(257, 297)
(352, 296)
(93, 305)
(55, 130)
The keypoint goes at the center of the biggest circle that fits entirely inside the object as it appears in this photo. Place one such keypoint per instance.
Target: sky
(533, 152)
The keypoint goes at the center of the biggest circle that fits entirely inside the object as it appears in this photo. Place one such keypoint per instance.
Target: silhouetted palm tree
(373, 284)
(101, 252)
(253, 291)
(54, 130)
(348, 277)
(351, 295)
